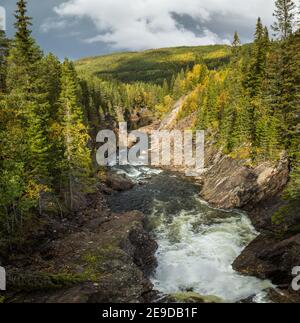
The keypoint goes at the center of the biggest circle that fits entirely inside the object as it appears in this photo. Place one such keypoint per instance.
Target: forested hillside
(153, 66)
(245, 96)
(251, 109)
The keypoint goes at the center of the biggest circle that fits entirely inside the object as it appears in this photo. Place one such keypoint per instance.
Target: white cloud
(2, 18)
(52, 24)
(142, 24)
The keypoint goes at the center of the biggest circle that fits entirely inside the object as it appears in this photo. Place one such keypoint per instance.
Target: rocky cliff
(228, 183)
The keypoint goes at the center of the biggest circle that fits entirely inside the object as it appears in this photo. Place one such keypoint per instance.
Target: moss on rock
(191, 297)
(40, 281)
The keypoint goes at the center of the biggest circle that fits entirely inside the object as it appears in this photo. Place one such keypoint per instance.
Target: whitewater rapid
(196, 252)
(197, 244)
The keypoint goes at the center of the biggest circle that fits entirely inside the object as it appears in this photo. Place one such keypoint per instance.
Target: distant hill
(152, 65)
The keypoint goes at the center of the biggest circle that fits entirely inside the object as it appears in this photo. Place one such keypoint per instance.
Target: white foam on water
(137, 173)
(196, 255)
(197, 247)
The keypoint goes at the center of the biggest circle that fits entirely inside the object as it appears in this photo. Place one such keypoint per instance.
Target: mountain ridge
(153, 65)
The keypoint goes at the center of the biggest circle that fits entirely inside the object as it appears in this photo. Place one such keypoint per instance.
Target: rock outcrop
(270, 258)
(230, 184)
(102, 263)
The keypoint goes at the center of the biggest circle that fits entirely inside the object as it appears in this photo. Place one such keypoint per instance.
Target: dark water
(197, 244)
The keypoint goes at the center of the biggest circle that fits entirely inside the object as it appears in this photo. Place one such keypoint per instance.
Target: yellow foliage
(34, 190)
(222, 99)
(243, 152)
(165, 106)
(222, 53)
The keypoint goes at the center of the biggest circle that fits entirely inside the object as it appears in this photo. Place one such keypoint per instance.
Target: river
(197, 243)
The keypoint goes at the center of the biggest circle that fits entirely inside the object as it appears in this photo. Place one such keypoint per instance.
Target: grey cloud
(92, 27)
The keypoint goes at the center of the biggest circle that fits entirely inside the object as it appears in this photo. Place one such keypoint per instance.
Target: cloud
(53, 24)
(2, 18)
(142, 24)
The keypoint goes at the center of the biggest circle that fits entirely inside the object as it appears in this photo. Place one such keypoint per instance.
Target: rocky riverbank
(227, 184)
(94, 256)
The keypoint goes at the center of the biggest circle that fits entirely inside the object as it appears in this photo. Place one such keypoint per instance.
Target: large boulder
(119, 182)
(270, 258)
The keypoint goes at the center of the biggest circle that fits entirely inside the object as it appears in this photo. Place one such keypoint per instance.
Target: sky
(80, 28)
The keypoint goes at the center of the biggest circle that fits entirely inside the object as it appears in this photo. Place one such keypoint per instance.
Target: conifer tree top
(285, 15)
(23, 32)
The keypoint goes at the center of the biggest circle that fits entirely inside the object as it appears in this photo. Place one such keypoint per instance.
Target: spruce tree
(285, 16)
(23, 34)
(292, 90)
(236, 45)
(76, 165)
(257, 70)
(23, 55)
(28, 97)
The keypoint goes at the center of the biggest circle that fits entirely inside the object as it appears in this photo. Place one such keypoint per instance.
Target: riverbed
(197, 243)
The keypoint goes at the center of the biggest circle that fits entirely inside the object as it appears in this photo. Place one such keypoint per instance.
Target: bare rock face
(141, 247)
(229, 184)
(270, 258)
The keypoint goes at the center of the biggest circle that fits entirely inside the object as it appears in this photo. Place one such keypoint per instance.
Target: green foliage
(76, 164)
(152, 66)
(257, 70)
(43, 132)
(18, 281)
(252, 107)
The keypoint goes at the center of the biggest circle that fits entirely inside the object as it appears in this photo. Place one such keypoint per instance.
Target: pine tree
(236, 46)
(23, 54)
(285, 15)
(23, 35)
(178, 87)
(257, 70)
(28, 97)
(50, 74)
(13, 179)
(267, 38)
(76, 165)
(285, 89)
(292, 86)
(165, 88)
